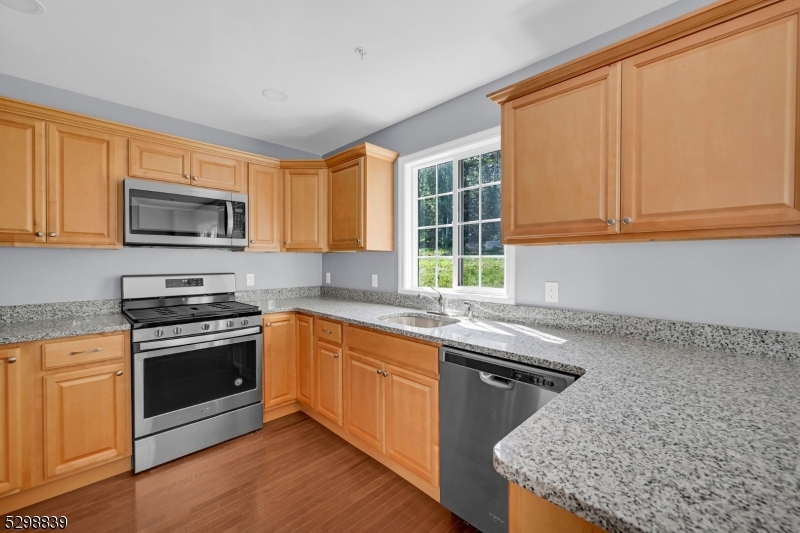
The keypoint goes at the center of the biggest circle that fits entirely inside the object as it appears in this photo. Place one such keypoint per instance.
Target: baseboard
(423, 485)
(281, 410)
(54, 488)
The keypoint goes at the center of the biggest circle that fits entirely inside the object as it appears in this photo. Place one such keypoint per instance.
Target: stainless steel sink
(418, 321)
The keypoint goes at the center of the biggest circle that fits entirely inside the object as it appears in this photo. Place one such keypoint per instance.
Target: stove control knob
(229, 323)
(245, 321)
(205, 327)
(159, 332)
(176, 330)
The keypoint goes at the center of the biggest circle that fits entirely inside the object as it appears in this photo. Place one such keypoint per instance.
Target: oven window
(158, 213)
(173, 382)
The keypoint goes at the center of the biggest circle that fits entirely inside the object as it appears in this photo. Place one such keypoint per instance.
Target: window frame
(479, 143)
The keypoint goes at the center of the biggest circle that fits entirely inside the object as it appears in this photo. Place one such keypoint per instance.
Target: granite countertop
(35, 330)
(652, 437)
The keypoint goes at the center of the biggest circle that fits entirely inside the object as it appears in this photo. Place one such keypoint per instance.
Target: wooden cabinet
(304, 209)
(305, 361)
(412, 421)
(329, 381)
(10, 421)
(279, 363)
(686, 131)
(82, 185)
(265, 191)
(560, 159)
(158, 161)
(22, 183)
(361, 199)
(528, 513)
(710, 128)
(85, 418)
(363, 399)
(218, 172)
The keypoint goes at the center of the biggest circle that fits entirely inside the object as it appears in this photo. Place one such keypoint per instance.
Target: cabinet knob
(53, 234)
(627, 220)
(269, 324)
(336, 356)
(12, 359)
(358, 241)
(379, 371)
(611, 221)
(119, 372)
(385, 373)
(39, 234)
(286, 243)
(195, 178)
(252, 242)
(187, 176)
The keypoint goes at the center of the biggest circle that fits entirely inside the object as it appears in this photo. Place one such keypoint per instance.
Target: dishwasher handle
(496, 381)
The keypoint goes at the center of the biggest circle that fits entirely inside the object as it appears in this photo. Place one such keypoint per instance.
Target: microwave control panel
(239, 214)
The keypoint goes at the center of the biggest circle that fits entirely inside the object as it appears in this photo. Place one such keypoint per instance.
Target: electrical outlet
(251, 280)
(374, 280)
(550, 291)
(327, 277)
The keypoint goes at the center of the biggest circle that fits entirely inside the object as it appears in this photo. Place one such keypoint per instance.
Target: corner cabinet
(305, 190)
(361, 199)
(305, 361)
(688, 133)
(265, 203)
(279, 363)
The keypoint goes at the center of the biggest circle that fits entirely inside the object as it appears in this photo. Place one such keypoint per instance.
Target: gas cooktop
(152, 315)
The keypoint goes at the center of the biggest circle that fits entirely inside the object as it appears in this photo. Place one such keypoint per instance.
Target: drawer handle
(14, 359)
(329, 332)
(87, 351)
(119, 372)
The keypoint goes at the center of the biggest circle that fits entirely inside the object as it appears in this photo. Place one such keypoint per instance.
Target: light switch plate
(327, 277)
(374, 280)
(551, 291)
(251, 280)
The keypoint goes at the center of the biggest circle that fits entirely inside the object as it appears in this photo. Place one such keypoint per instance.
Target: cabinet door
(10, 421)
(412, 422)
(158, 161)
(305, 360)
(329, 381)
(363, 399)
(84, 418)
(280, 380)
(82, 185)
(304, 210)
(217, 172)
(346, 206)
(560, 159)
(265, 188)
(22, 183)
(710, 128)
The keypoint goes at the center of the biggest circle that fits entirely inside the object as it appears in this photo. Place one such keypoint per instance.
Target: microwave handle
(229, 211)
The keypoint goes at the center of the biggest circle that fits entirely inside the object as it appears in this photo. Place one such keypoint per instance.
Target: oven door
(162, 214)
(182, 384)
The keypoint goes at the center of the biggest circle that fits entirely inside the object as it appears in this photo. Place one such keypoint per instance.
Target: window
(450, 221)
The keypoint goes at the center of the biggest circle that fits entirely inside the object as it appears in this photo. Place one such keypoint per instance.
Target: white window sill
(464, 295)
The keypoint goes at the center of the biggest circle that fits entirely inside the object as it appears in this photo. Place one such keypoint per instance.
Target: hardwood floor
(293, 475)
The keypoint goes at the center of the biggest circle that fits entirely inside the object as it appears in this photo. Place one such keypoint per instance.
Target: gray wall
(38, 275)
(749, 283)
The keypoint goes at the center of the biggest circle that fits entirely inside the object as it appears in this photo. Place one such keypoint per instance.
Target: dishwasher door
(483, 399)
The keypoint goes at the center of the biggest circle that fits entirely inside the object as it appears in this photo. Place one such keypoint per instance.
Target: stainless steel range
(196, 364)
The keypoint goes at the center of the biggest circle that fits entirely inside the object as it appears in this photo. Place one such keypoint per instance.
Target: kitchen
(266, 314)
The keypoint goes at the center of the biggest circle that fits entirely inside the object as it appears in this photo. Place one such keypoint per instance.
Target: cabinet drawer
(408, 354)
(84, 350)
(328, 330)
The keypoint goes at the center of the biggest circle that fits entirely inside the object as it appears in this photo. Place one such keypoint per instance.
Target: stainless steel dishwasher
(482, 399)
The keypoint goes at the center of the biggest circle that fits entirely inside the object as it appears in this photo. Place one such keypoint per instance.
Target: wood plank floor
(293, 475)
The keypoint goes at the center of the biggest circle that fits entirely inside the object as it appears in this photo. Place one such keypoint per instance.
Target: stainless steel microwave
(163, 214)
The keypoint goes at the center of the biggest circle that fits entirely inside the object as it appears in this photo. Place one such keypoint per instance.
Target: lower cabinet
(528, 513)
(363, 399)
(305, 360)
(10, 422)
(329, 381)
(279, 371)
(85, 416)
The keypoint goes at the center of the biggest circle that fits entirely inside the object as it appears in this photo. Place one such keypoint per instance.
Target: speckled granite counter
(652, 437)
(35, 330)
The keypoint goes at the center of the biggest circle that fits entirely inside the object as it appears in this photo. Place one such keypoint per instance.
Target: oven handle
(225, 337)
(229, 211)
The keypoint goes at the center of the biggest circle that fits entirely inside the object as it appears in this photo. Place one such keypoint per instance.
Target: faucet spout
(438, 301)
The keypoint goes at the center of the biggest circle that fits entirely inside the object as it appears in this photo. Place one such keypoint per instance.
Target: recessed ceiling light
(30, 7)
(271, 94)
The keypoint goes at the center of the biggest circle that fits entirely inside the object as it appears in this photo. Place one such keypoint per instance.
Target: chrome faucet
(470, 307)
(438, 301)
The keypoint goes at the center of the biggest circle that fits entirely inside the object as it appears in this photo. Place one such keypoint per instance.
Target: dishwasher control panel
(549, 382)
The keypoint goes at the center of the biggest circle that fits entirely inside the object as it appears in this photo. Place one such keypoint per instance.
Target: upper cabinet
(361, 199)
(265, 203)
(218, 172)
(305, 184)
(688, 131)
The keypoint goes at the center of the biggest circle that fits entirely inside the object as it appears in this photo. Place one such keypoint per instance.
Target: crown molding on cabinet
(363, 149)
(303, 163)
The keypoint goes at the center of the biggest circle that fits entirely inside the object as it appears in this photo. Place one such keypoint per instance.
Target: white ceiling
(207, 61)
